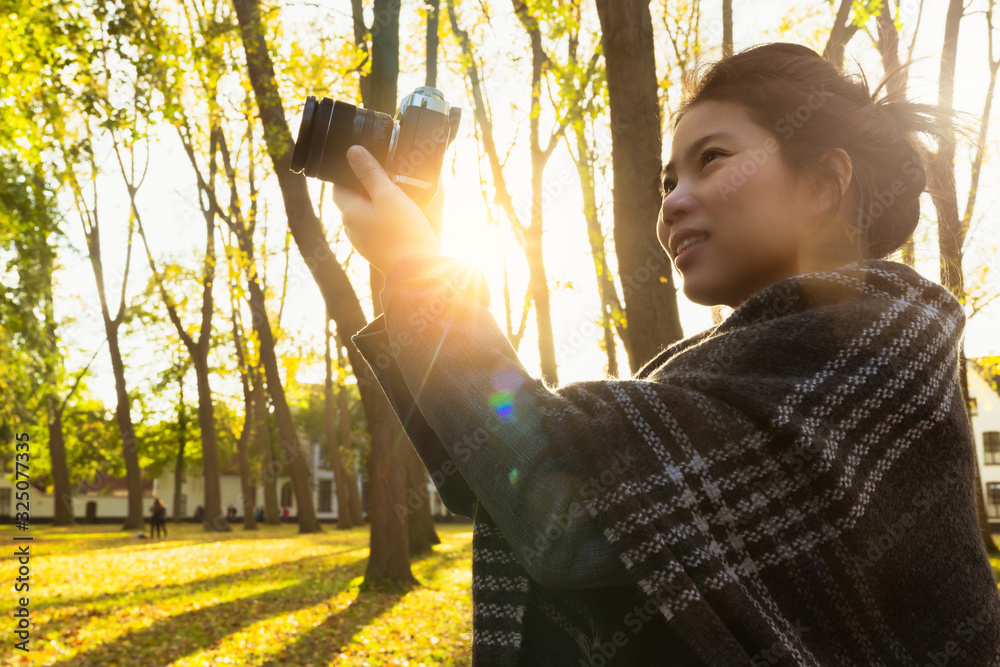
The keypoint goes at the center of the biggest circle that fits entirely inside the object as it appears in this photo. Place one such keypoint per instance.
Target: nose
(676, 204)
(674, 207)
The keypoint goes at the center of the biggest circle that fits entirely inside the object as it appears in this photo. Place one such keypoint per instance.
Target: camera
(410, 146)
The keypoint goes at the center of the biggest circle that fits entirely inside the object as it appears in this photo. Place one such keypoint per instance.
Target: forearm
(476, 395)
(373, 343)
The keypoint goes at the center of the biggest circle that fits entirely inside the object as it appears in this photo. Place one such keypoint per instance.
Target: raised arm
(468, 440)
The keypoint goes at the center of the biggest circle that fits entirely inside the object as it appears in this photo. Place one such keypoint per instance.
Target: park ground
(101, 596)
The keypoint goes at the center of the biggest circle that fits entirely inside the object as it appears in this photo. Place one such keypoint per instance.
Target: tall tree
(42, 116)
(248, 493)
(379, 92)
(727, 28)
(483, 127)
(389, 550)
(332, 440)
(532, 234)
(584, 91)
(305, 509)
(529, 236)
(87, 210)
(952, 229)
(845, 26)
(344, 418)
(198, 347)
(29, 231)
(649, 293)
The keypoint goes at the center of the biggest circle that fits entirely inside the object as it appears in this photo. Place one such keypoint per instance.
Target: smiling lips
(685, 238)
(690, 241)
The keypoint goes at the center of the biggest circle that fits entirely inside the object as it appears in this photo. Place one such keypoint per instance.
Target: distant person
(199, 514)
(259, 514)
(284, 513)
(159, 520)
(231, 513)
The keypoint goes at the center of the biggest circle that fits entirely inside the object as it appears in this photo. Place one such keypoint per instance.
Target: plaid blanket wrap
(793, 486)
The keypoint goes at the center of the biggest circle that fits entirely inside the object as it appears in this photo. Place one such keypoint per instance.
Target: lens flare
(502, 403)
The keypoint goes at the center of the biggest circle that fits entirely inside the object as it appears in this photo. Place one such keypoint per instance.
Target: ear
(840, 162)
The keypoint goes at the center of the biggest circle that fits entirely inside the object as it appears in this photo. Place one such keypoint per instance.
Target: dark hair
(812, 107)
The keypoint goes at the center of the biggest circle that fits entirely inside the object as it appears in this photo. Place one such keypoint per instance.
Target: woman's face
(737, 191)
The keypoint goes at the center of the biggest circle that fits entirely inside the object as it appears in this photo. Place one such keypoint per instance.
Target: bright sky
(175, 226)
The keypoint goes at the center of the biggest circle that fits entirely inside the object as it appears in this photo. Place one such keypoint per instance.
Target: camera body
(410, 146)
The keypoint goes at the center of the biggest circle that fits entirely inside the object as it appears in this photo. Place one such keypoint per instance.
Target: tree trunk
(951, 231)
(332, 441)
(888, 48)
(649, 293)
(421, 521)
(533, 234)
(262, 440)
(350, 474)
(305, 510)
(130, 445)
(198, 349)
(727, 28)
(62, 492)
(214, 518)
(841, 33)
(433, 7)
(379, 92)
(357, 513)
(181, 444)
(610, 306)
(247, 491)
(389, 549)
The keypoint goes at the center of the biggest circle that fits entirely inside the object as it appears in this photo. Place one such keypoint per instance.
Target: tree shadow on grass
(156, 593)
(322, 643)
(67, 625)
(319, 645)
(187, 536)
(189, 632)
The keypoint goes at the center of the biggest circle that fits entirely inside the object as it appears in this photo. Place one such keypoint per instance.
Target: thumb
(368, 170)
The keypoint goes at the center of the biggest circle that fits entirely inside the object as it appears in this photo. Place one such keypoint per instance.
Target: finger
(368, 170)
(344, 197)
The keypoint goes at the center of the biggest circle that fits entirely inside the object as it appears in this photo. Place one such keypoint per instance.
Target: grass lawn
(100, 596)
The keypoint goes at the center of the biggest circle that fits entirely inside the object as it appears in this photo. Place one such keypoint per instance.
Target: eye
(666, 187)
(668, 183)
(710, 151)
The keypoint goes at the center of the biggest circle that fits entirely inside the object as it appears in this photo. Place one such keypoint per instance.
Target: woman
(791, 486)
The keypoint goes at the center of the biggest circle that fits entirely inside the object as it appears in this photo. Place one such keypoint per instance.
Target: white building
(322, 482)
(986, 429)
(102, 500)
(106, 499)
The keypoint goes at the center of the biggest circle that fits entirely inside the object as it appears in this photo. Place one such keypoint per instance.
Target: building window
(991, 447)
(325, 495)
(973, 407)
(286, 494)
(993, 499)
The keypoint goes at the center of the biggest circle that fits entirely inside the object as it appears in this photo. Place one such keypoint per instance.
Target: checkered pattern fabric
(792, 486)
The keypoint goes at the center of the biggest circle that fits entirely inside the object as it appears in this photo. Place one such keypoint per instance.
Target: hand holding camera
(386, 225)
(388, 183)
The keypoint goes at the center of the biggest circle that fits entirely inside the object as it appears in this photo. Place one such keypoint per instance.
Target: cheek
(756, 203)
(662, 233)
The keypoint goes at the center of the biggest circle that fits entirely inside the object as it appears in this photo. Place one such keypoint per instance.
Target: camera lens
(328, 129)
(301, 153)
